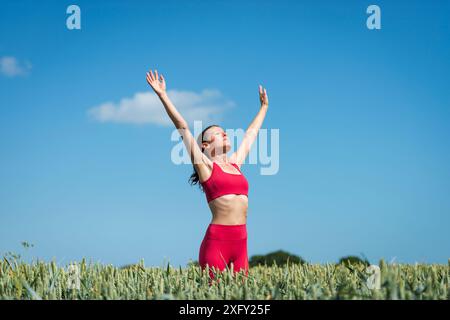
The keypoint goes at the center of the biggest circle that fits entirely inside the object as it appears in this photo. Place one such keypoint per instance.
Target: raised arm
(158, 83)
(251, 133)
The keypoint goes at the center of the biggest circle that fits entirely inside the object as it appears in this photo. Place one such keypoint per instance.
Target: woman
(225, 242)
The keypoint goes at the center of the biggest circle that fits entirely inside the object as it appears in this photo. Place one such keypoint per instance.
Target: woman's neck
(220, 159)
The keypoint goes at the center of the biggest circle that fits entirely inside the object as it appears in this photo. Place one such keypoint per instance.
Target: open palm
(158, 83)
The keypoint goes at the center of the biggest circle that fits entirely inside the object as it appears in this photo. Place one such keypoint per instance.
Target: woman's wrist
(162, 94)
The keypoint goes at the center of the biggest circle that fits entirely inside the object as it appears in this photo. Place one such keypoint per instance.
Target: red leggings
(222, 245)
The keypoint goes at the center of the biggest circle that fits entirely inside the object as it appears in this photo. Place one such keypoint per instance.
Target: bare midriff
(229, 209)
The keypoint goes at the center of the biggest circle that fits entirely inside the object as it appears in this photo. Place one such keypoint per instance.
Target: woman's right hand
(158, 84)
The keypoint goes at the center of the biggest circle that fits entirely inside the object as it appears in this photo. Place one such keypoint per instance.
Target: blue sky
(362, 116)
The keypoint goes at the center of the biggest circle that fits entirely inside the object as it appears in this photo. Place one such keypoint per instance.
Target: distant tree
(280, 257)
(353, 260)
(193, 263)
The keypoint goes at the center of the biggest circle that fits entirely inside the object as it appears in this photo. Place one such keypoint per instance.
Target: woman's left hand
(263, 98)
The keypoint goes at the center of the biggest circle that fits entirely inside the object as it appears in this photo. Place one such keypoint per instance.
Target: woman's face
(217, 139)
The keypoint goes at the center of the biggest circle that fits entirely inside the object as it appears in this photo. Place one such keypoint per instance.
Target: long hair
(194, 178)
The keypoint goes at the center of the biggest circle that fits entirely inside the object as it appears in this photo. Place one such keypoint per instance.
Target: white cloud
(10, 66)
(145, 107)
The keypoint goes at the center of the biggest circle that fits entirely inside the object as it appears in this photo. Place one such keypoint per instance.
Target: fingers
(262, 90)
(263, 95)
(152, 77)
(149, 78)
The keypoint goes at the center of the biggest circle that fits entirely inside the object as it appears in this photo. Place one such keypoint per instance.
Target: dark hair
(194, 178)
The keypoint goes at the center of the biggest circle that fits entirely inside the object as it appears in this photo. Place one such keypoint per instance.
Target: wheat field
(81, 280)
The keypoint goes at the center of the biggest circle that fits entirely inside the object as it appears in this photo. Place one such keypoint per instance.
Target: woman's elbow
(181, 125)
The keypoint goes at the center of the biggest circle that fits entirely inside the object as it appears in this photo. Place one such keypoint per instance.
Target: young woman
(220, 178)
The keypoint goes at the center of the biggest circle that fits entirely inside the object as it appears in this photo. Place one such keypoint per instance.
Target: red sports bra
(221, 182)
